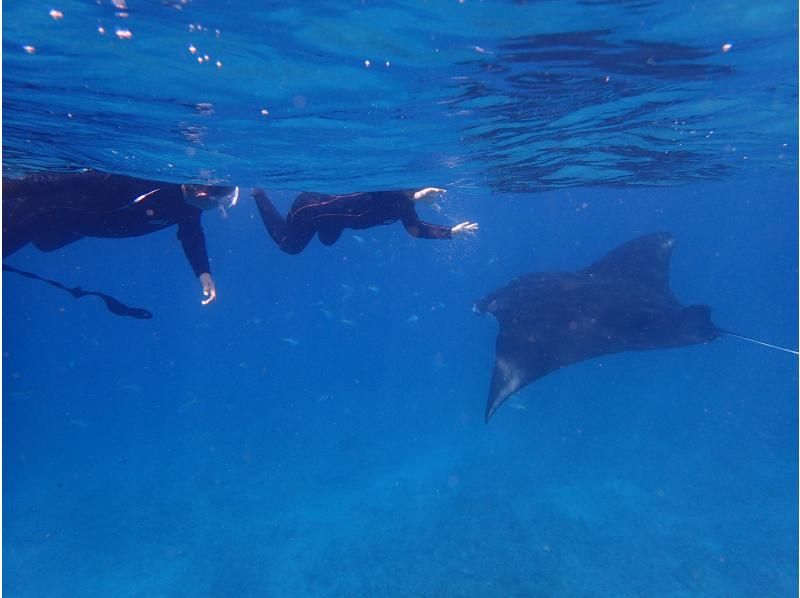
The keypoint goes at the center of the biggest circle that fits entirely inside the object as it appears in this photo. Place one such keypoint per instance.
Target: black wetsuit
(329, 215)
(53, 210)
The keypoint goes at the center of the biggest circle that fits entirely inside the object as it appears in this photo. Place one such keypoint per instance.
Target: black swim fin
(114, 305)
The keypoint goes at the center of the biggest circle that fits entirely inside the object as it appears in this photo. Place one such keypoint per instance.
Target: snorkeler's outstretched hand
(209, 288)
(464, 228)
(422, 193)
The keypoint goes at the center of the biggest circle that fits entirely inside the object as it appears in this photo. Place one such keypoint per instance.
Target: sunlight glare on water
(516, 96)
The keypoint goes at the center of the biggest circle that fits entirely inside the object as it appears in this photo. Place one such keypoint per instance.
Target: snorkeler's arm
(463, 228)
(193, 241)
(423, 230)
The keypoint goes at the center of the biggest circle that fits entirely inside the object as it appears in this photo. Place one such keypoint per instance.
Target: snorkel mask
(209, 197)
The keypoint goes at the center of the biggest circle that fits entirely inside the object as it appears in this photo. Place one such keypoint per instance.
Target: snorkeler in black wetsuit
(53, 210)
(329, 215)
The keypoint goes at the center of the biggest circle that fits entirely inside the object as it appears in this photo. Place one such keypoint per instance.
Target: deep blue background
(319, 430)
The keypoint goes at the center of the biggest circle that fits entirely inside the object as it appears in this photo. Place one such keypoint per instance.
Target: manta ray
(621, 302)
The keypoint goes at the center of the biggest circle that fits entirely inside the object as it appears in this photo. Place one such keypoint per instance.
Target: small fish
(347, 287)
(292, 341)
(518, 406)
(373, 288)
(412, 318)
(326, 312)
(359, 239)
(347, 322)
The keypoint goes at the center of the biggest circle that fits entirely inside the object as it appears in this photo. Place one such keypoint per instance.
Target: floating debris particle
(56, 15)
(124, 33)
(264, 112)
(727, 47)
(367, 63)
(292, 341)
(29, 49)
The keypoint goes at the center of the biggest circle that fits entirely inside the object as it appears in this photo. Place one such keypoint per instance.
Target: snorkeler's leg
(291, 235)
(301, 223)
(273, 221)
(298, 235)
(329, 236)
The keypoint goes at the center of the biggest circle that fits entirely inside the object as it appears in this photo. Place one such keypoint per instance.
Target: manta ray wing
(621, 302)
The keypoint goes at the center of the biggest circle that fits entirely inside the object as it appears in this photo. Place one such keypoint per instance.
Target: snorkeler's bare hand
(209, 288)
(423, 193)
(464, 228)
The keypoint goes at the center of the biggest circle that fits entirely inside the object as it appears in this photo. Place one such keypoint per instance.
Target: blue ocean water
(318, 431)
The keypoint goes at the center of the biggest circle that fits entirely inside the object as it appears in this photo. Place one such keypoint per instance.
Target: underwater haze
(319, 429)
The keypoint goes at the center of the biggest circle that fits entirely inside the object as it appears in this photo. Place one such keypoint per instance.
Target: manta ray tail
(758, 342)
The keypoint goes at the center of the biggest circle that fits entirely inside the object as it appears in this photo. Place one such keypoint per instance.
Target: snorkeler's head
(208, 197)
(428, 196)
